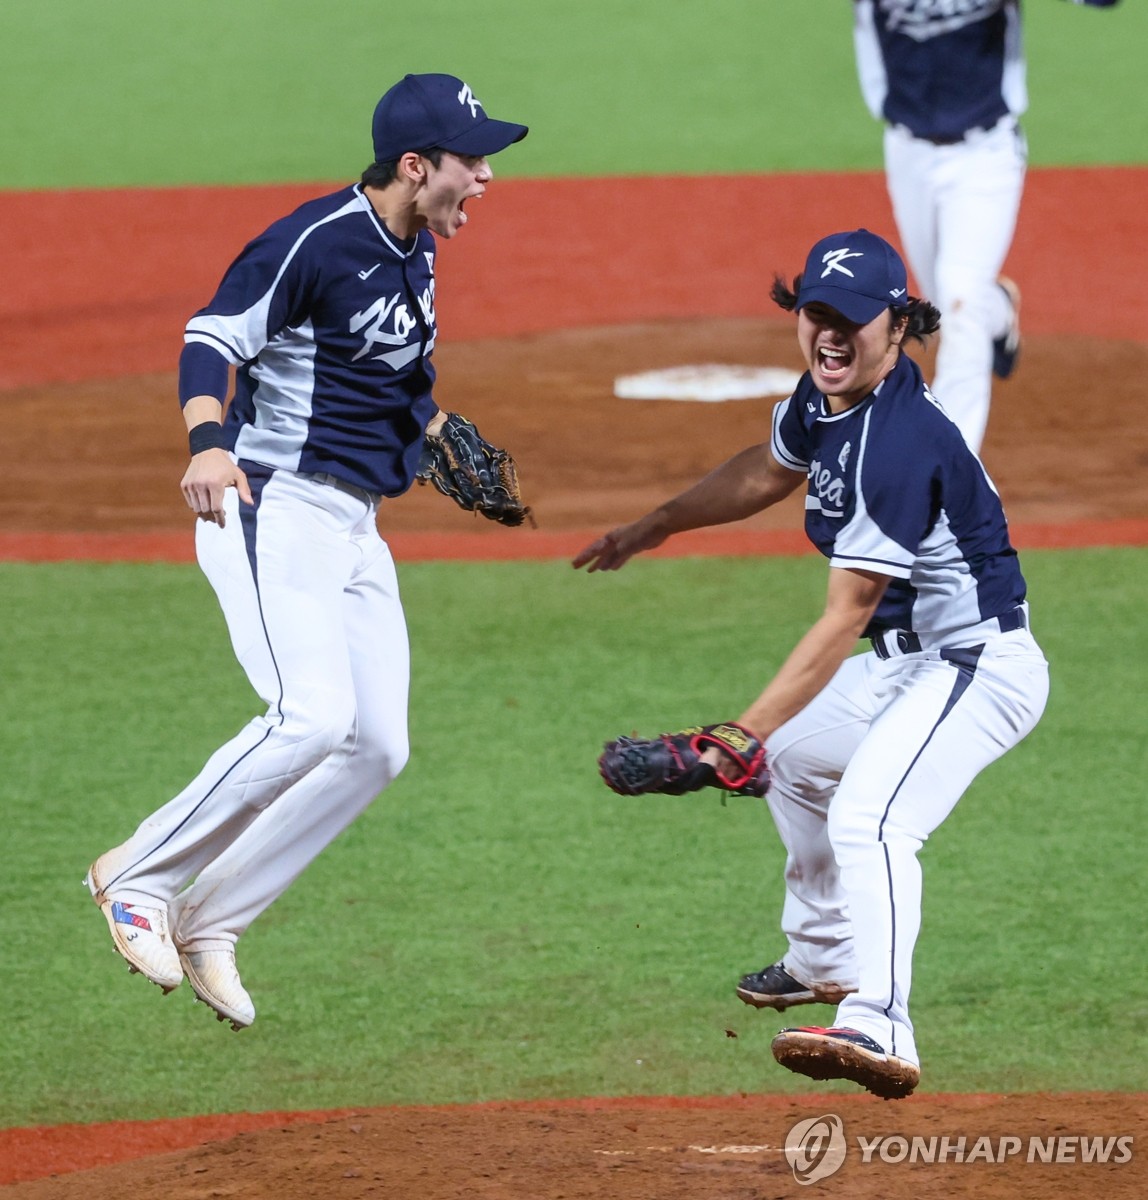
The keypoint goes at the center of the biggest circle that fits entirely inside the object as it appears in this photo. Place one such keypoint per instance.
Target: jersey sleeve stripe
(246, 332)
(204, 337)
(881, 566)
(777, 446)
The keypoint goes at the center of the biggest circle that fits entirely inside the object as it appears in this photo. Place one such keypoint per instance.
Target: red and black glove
(671, 763)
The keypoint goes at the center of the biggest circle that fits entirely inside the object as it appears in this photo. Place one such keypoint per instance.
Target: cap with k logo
(857, 273)
(425, 112)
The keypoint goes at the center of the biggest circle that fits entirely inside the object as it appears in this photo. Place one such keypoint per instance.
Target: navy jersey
(893, 489)
(940, 68)
(330, 322)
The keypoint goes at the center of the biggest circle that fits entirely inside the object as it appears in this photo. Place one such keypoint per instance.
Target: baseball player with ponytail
(949, 82)
(860, 756)
(328, 320)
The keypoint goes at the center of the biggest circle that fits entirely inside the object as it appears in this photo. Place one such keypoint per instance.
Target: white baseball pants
(956, 210)
(861, 777)
(309, 592)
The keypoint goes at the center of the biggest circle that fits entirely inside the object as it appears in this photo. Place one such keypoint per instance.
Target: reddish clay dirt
(560, 285)
(1022, 1147)
(104, 458)
(92, 456)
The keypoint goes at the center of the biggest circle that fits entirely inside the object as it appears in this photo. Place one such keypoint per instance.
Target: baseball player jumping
(861, 756)
(328, 318)
(949, 82)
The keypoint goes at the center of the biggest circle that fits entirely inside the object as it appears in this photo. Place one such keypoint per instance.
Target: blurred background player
(328, 318)
(949, 82)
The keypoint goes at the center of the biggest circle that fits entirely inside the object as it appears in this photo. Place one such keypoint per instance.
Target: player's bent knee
(853, 830)
(383, 754)
(319, 729)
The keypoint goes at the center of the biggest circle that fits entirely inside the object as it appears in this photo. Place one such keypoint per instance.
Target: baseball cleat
(1006, 349)
(140, 935)
(774, 987)
(821, 1053)
(215, 980)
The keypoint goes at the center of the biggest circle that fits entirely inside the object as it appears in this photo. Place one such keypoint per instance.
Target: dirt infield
(1062, 451)
(540, 306)
(92, 456)
(1022, 1147)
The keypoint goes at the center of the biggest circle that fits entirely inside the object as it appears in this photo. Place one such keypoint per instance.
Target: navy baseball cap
(422, 112)
(857, 273)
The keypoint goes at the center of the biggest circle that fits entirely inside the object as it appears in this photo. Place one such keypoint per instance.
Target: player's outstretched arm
(614, 549)
(745, 484)
(211, 471)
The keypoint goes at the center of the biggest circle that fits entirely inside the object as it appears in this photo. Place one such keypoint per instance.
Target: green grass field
(137, 93)
(499, 924)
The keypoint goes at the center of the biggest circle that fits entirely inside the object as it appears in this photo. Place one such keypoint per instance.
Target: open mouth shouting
(846, 361)
(451, 186)
(833, 363)
(461, 216)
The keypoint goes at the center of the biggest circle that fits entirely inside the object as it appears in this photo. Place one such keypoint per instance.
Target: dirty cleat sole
(846, 1054)
(779, 1001)
(774, 987)
(783, 1000)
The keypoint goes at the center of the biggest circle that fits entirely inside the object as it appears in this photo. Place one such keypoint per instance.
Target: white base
(707, 382)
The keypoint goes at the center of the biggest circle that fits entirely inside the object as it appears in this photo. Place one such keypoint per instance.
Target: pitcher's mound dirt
(926, 1148)
(1067, 440)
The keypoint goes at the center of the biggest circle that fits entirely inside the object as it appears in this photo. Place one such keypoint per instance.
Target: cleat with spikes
(774, 987)
(140, 935)
(215, 981)
(842, 1053)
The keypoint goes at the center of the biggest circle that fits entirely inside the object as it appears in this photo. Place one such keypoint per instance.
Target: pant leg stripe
(257, 477)
(965, 660)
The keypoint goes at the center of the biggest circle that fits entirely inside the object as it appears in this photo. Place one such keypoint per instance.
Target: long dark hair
(921, 318)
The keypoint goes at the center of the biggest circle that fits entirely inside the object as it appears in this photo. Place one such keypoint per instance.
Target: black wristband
(206, 436)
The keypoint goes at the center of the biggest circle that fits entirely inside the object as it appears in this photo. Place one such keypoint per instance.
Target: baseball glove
(474, 474)
(671, 762)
